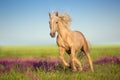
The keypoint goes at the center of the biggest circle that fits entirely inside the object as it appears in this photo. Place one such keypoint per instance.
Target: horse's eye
(56, 22)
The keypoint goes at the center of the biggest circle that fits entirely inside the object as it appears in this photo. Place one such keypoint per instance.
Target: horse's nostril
(52, 34)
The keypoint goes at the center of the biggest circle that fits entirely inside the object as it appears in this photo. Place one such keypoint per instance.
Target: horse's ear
(49, 15)
(56, 13)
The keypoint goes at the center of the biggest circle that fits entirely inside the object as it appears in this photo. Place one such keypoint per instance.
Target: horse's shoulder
(59, 41)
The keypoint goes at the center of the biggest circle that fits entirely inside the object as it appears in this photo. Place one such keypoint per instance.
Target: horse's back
(79, 36)
(81, 41)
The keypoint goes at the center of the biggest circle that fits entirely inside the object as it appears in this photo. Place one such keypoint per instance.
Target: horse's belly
(78, 44)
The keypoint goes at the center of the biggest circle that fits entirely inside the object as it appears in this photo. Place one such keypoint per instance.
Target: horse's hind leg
(90, 61)
(61, 52)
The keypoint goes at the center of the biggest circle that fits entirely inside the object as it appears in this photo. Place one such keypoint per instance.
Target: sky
(25, 22)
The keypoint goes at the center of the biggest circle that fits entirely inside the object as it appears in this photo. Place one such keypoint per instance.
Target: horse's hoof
(80, 69)
(67, 65)
(74, 70)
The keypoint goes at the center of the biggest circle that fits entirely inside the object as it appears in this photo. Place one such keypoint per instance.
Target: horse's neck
(62, 30)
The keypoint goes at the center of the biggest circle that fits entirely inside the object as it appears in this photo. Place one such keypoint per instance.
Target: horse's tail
(86, 45)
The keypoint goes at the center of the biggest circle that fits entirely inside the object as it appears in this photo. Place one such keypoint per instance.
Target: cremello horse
(68, 40)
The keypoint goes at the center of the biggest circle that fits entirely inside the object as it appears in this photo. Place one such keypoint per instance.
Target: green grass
(13, 75)
(46, 51)
(107, 50)
(102, 71)
(28, 51)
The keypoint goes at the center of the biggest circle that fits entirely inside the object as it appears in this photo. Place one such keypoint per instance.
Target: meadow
(42, 63)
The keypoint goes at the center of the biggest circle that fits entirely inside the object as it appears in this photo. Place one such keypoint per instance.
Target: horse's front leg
(72, 56)
(61, 52)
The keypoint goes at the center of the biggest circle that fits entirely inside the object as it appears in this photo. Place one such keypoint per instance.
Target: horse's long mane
(65, 18)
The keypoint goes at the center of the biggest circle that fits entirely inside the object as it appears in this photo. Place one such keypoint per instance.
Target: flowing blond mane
(65, 18)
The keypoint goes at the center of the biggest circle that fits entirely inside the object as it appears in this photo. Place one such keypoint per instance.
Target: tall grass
(102, 72)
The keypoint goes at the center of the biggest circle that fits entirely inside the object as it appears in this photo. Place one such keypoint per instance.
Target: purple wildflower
(113, 59)
(22, 64)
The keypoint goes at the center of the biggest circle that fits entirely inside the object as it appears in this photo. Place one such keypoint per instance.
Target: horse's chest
(63, 43)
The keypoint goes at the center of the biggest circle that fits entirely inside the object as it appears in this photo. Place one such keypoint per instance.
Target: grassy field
(42, 63)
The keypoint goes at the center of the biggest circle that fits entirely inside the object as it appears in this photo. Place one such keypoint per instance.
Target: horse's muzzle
(52, 35)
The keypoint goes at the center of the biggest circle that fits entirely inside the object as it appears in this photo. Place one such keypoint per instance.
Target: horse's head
(53, 23)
